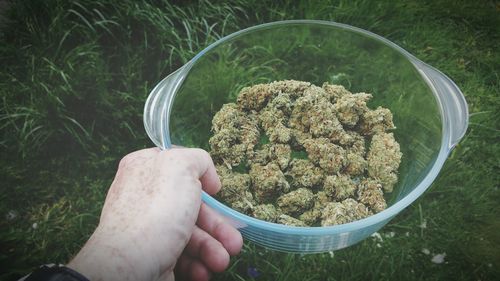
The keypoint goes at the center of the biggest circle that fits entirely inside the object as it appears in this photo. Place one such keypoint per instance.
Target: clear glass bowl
(429, 110)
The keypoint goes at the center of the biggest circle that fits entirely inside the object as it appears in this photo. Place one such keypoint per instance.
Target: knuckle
(126, 161)
(176, 157)
(172, 154)
(193, 159)
(133, 157)
(202, 153)
(137, 158)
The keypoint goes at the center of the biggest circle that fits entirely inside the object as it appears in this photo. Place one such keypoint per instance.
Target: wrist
(54, 272)
(106, 257)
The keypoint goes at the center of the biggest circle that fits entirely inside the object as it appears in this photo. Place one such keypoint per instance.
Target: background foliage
(74, 77)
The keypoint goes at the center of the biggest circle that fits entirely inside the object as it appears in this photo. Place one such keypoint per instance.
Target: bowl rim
(243, 220)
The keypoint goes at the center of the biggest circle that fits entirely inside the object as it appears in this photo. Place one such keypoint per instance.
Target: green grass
(75, 75)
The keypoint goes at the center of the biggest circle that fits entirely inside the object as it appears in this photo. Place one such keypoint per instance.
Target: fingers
(208, 250)
(138, 156)
(210, 180)
(200, 163)
(192, 269)
(166, 276)
(213, 240)
(215, 225)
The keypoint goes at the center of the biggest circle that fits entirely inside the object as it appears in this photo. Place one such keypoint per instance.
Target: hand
(153, 221)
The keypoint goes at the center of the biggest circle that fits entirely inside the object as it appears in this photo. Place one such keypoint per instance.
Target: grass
(75, 75)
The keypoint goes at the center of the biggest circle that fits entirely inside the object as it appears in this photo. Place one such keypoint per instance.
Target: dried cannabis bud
(266, 212)
(296, 202)
(277, 153)
(327, 155)
(236, 191)
(384, 158)
(322, 198)
(272, 122)
(296, 154)
(343, 212)
(350, 107)
(334, 92)
(314, 113)
(311, 217)
(235, 134)
(340, 187)
(304, 173)
(288, 220)
(377, 121)
(355, 164)
(268, 182)
(255, 97)
(370, 193)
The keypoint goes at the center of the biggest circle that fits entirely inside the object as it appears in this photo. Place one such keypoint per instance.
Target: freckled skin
(153, 220)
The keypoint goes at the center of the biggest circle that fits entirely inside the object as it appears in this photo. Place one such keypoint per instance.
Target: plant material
(294, 153)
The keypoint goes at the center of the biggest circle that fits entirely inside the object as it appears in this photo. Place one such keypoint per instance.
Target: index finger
(198, 161)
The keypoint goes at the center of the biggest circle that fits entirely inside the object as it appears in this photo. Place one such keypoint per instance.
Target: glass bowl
(429, 110)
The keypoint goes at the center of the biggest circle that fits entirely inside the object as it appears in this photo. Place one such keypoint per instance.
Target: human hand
(153, 221)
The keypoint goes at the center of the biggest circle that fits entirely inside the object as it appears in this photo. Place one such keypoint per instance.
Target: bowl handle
(158, 104)
(451, 101)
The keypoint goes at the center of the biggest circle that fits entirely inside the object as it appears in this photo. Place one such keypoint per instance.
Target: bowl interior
(315, 53)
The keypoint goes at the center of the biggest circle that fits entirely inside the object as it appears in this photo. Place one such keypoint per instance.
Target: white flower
(426, 251)
(331, 254)
(390, 234)
(11, 215)
(377, 236)
(34, 225)
(439, 258)
(423, 225)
